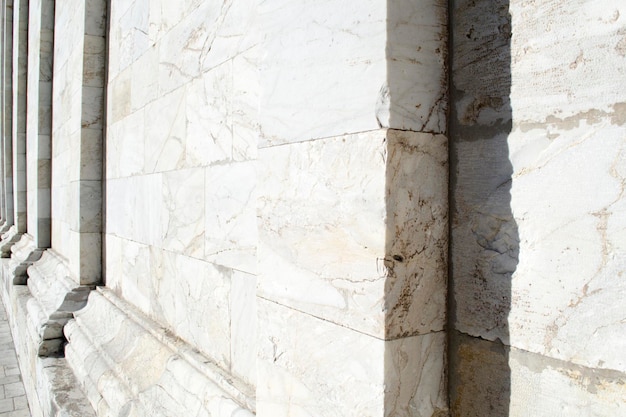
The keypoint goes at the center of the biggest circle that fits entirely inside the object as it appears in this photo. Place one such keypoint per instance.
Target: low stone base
(130, 366)
(4, 227)
(55, 297)
(23, 253)
(50, 385)
(8, 239)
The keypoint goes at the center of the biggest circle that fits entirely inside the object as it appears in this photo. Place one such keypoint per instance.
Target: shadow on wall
(484, 247)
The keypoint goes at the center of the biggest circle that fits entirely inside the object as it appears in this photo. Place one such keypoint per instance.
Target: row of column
(52, 101)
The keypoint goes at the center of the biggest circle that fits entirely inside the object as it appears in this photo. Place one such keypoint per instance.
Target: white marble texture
(304, 43)
(140, 368)
(211, 308)
(353, 229)
(387, 61)
(77, 137)
(310, 367)
(230, 226)
(18, 124)
(69, 18)
(542, 236)
(23, 253)
(589, 64)
(55, 296)
(181, 218)
(194, 89)
(577, 235)
(561, 389)
(32, 127)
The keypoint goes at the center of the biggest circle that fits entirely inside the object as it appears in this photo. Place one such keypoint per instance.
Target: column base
(8, 239)
(55, 298)
(23, 254)
(129, 365)
(50, 385)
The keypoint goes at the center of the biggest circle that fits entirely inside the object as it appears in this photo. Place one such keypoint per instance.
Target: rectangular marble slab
(311, 367)
(353, 229)
(535, 255)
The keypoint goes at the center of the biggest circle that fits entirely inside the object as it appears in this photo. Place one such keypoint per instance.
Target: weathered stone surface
(23, 254)
(365, 232)
(51, 387)
(129, 365)
(309, 366)
(492, 379)
(537, 238)
(269, 210)
(55, 296)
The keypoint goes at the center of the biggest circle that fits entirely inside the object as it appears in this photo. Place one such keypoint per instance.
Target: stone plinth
(55, 298)
(129, 365)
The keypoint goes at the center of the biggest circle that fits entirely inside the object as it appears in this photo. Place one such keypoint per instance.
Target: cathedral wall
(273, 208)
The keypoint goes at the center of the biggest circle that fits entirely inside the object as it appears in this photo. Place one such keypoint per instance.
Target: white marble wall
(538, 239)
(276, 219)
(352, 215)
(180, 168)
(351, 74)
(574, 241)
(274, 117)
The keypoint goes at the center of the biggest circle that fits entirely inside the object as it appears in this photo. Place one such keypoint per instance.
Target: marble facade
(313, 208)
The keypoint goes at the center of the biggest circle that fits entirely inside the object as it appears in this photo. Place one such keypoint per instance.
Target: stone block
(309, 366)
(353, 229)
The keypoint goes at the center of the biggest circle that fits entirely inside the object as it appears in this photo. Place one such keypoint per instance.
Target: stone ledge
(23, 253)
(55, 297)
(51, 388)
(129, 365)
(8, 239)
(65, 399)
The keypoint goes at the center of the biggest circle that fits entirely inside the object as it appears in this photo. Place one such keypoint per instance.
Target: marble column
(18, 127)
(38, 131)
(66, 56)
(6, 165)
(62, 278)
(353, 209)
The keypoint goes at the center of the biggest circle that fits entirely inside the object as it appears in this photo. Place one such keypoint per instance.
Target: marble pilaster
(6, 159)
(31, 244)
(18, 128)
(39, 121)
(72, 107)
(352, 191)
(180, 215)
(20, 65)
